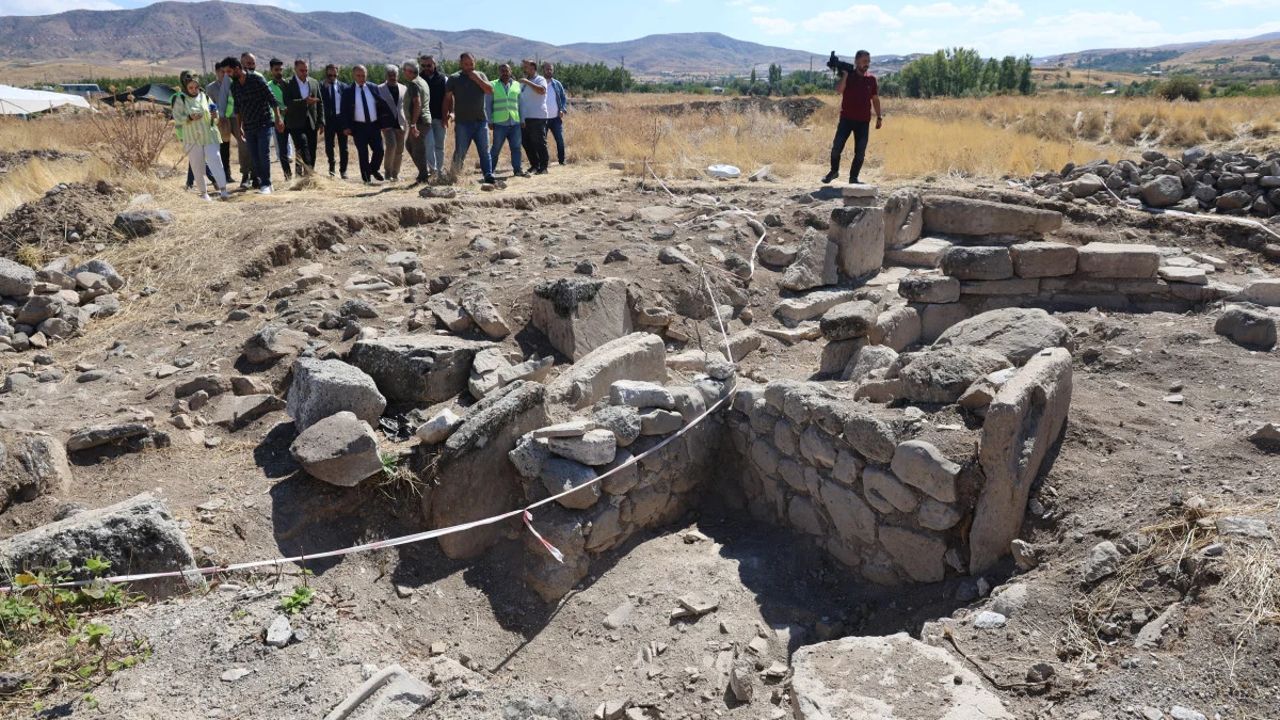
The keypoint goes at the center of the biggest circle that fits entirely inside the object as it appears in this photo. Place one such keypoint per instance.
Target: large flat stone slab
(137, 535)
(887, 678)
(952, 215)
(638, 356)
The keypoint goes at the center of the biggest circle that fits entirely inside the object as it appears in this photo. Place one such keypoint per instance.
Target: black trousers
(534, 139)
(304, 146)
(368, 139)
(332, 133)
(861, 131)
(225, 151)
(282, 151)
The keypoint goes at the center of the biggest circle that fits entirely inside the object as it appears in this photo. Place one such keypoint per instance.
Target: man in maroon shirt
(859, 92)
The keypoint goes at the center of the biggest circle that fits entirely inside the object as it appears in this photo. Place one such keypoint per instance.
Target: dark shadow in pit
(810, 597)
(309, 516)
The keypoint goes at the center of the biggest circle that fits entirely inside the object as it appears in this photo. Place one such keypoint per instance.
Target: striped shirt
(254, 101)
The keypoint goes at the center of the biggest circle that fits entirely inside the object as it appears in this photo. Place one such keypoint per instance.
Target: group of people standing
(409, 113)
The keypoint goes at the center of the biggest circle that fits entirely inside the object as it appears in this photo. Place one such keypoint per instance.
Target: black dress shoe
(377, 176)
(829, 177)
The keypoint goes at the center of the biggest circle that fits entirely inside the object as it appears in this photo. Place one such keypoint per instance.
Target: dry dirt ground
(1130, 462)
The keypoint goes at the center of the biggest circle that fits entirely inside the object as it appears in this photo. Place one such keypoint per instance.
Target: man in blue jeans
(503, 108)
(464, 97)
(436, 81)
(556, 124)
(257, 108)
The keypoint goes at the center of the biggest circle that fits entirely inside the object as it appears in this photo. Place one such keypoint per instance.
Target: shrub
(1181, 87)
(133, 137)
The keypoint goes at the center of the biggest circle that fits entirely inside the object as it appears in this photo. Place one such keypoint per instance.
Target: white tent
(19, 101)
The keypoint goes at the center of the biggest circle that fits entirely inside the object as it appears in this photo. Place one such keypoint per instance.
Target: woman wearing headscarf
(197, 122)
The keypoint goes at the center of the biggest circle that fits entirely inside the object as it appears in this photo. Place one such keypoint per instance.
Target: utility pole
(440, 52)
(204, 66)
(624, 62)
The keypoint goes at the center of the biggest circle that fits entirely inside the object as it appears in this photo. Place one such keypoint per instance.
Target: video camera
(839, 65)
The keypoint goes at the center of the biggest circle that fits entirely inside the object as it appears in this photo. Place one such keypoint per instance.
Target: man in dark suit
(331, 92)
(364, 116)
(303, 115)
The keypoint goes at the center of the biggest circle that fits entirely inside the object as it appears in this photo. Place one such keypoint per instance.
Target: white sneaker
(264, 190)
(246, 185)
(205, 197)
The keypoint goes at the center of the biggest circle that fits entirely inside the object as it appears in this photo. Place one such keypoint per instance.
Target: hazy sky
(995, 27)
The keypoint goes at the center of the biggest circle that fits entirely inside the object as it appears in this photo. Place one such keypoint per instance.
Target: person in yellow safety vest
(503, 109)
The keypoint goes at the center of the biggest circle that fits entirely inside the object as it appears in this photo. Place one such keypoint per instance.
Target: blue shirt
(562, 100)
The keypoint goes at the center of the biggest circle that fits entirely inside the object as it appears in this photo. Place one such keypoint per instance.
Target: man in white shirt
(364, 116)
(534, 116)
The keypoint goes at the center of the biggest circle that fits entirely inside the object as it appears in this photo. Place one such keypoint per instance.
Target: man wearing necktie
(332, 91)
(362, 110)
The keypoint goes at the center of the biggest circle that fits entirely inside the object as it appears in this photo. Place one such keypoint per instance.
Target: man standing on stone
(303, 115)
(556, 124)
(417, 111)
(392, 93)
(364, 114)
(464, 99)
(259, 118)
(436, 81)
(331, 92)
(277, 83)
(859, 93)
(503, 108)
(534, 113)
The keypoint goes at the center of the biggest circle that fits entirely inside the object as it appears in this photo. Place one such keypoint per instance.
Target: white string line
(415, 537)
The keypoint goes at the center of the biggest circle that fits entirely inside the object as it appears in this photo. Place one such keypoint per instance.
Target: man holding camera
(859, 94)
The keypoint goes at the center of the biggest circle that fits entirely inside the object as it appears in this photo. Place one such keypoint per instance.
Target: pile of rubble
(1200, 181)
(55, 302)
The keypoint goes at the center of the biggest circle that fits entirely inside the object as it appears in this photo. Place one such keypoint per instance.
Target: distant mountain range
(1182, 56)
(167, 35)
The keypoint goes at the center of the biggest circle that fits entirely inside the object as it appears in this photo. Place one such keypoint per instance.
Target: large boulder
(579, 315)
(638, 356)
(32, 464)
(142, 221)
(339, 449)
(849, 320)
(417, 369)
(1247, 325)
(322, 388)
(894, 677)
(941, 375)
(964, 216)
(1015, 333)
(137, 535)
(16, 280)
(1162, 191)
(272, 343)
(475, 478)
(1022, 423)
(1262, 292)
(859, 234)
(815, 263)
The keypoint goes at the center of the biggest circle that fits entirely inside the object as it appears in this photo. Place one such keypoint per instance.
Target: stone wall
(896, 493)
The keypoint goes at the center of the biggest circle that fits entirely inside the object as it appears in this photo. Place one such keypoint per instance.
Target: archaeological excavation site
(671, 452)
